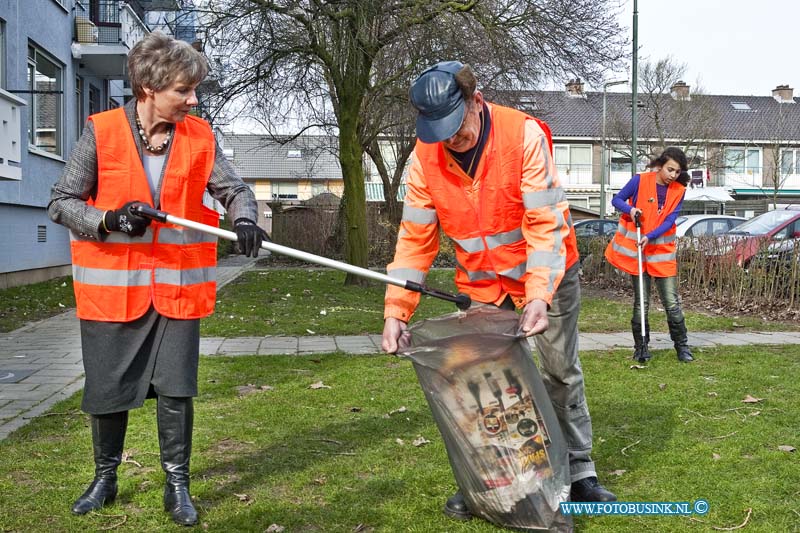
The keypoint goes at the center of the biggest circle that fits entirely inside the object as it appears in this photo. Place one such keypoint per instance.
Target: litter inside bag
(502, 436)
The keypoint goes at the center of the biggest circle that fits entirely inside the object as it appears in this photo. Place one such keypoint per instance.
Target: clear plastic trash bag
(502, 436)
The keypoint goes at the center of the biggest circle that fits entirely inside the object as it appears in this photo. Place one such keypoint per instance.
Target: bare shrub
(711, 277)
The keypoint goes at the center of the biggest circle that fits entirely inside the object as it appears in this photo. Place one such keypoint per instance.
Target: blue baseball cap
(439, 102)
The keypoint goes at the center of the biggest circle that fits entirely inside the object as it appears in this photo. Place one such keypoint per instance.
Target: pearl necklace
(149, 147)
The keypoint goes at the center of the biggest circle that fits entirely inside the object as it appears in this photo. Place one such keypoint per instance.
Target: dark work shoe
(590, 490)
(684, 355)
(456, 507)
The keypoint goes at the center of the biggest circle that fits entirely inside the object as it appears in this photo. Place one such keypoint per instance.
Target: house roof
(308, 157)
(758, 118)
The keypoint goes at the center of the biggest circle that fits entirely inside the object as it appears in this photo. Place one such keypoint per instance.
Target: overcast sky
(736, 47)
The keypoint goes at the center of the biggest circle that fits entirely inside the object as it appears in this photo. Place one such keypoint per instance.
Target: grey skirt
(128, 362)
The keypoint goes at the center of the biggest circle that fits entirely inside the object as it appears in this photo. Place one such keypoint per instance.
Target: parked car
(705, 225)
(593, 228)
(771, 232)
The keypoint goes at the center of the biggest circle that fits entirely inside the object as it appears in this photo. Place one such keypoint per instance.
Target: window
(741, 106)
(743, 167)
(294, 154)
(45, 105)
(743, 160)
(94, 100)
(574, 162)
(790, 161)
(284, 190)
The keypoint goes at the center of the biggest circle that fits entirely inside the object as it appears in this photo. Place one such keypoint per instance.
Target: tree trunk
(356, 245)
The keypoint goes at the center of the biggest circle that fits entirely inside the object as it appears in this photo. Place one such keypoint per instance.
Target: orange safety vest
(170, 267)
(491, 251)
(659, 256)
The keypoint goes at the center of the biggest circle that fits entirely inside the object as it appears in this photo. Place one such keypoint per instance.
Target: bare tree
(669, 116)
(342, 65)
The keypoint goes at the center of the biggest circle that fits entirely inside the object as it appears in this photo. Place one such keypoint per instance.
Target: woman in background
(656, 197)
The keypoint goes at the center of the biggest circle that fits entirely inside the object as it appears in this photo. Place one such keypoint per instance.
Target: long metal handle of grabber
(638, 221)
(462, 301)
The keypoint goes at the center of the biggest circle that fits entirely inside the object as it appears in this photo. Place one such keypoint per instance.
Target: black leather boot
(455, 507)
(641, 352)
(108, 438)
(677, 332)
(175, 419)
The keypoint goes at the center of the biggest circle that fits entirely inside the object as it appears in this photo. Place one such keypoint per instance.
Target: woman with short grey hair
(141, 287)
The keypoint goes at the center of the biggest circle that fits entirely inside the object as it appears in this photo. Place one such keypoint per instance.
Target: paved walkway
(40, 364)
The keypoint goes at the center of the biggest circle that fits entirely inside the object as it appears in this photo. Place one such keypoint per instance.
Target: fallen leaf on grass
(319, 385)
(637, 367)
(402, 409)
(617, 472)
(311, 332)
(247, 500)
(323, 312)
(275, 528)
(751, 399)
(713, 394)
(716, 456)
(321, 480)
(363, 528)
(785, 448)
(662, 386)
(420, 441)
(401, 442)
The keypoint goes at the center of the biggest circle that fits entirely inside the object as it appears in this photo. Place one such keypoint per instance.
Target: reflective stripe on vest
(170, 268)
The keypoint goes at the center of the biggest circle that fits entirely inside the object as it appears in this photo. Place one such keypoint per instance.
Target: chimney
(575, 88)
(783, 93)
(680, 91)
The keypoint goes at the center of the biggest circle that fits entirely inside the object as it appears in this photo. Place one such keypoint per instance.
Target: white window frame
(36, 55)
(573, 173)
(748, 175)
(790, 180)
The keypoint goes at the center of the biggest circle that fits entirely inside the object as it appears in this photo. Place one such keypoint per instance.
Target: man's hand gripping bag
(502, 436)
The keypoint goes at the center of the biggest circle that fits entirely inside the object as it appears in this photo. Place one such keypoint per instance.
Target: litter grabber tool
(643, 355)
(462, 301)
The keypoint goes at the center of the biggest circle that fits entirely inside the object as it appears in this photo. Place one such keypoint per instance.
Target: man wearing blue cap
(484, 174)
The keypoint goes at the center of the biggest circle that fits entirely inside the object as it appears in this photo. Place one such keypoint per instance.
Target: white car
(705, 225)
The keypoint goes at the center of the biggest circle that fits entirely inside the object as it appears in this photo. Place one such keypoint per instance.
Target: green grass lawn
(28, 303)
(299, 301)
(269, 450)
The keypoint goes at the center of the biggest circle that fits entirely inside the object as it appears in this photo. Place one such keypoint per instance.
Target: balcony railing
(575, 174)
(110, 22)
(743, 178)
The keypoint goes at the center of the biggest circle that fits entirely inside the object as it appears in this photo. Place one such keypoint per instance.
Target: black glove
(125, 220)
(249, 236)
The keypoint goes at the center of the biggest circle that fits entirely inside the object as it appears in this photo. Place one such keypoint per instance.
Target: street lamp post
(603, 155)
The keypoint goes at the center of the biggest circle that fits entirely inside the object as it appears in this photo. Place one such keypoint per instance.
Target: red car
(771, 233)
